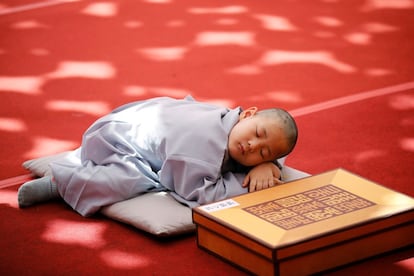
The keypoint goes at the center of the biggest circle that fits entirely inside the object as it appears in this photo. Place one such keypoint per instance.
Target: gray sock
(36, 191)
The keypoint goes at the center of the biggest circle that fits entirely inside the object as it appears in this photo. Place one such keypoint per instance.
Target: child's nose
(253, 145)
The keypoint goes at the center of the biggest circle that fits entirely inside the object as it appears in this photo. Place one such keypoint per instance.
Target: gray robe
(153, 145)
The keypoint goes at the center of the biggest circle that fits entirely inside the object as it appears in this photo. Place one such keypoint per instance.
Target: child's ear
(248, 112)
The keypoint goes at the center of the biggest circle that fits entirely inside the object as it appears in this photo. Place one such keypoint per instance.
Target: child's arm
(262, 176)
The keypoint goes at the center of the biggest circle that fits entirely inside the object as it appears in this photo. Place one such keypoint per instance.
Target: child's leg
(36, 191)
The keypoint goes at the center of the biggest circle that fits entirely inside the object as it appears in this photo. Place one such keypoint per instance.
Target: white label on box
(225, 204)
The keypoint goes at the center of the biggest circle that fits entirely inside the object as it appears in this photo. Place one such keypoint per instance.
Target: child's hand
(262, 176)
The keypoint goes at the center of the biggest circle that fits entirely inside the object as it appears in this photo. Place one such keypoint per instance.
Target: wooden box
(308, 225)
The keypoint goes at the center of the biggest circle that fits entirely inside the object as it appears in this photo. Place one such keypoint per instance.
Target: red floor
(65, 63)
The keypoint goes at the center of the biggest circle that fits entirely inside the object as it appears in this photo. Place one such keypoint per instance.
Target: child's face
(256, 139)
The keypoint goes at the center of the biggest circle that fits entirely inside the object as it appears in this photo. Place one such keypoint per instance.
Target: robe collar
(229, 121)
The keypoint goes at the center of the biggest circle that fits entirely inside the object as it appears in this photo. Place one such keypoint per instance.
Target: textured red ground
(64, 65)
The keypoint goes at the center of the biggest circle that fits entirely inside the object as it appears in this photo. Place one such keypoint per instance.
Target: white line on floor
(351, 99)
(33, 6)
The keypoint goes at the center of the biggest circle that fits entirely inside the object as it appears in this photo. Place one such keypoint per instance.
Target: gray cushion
(156, 213)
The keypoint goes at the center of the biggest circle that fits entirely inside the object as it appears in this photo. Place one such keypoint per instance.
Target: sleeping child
(199, 152)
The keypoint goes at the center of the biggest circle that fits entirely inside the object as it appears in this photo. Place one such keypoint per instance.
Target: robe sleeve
(195, 182)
